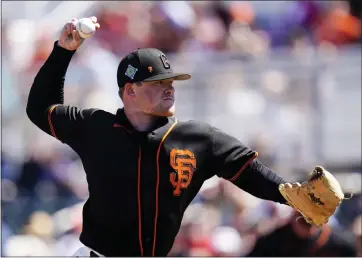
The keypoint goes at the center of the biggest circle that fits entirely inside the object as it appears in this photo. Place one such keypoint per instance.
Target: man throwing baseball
(143, 166)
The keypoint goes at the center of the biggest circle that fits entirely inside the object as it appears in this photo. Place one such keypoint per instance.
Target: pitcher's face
(156, 98)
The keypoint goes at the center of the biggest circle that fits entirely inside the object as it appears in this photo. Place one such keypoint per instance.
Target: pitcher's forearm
(48, 86)
(261, 182)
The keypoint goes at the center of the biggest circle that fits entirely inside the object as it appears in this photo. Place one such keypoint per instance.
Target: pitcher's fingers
(97, 26)
(76, 36)
(68, 27)
(94, 19)
(65, 30)
(73, 23)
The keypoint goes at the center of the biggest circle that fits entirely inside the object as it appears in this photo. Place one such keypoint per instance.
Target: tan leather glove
(315, 199)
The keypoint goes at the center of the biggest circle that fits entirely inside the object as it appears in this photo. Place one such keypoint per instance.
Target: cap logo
(131, 71)
(165, 62)
(150, 69)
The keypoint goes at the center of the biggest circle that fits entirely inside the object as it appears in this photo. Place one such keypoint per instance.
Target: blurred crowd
(226, 25)
(43, 182)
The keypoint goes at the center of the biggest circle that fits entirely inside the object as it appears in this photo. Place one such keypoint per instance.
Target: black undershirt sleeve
(46, 98)
(48, 86)
(261, 182)
(233, 161)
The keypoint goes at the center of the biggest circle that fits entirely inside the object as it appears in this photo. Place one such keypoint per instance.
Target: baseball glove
(315, 199)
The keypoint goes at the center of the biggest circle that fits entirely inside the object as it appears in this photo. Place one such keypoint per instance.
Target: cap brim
(166, 76)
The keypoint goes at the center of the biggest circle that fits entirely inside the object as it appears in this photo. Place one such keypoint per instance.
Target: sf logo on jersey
(184, 164)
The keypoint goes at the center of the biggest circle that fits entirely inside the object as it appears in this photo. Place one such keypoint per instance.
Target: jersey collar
(123, 120)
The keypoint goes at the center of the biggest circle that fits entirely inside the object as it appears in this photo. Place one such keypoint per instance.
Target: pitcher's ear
(129, 89)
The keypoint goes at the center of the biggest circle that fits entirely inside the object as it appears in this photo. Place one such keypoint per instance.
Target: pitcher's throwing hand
(69, 37)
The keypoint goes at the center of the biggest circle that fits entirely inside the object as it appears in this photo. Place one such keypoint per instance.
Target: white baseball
(85, 27)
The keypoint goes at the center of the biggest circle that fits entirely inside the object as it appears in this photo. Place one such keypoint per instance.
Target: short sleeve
(229, 157)
(67, 123)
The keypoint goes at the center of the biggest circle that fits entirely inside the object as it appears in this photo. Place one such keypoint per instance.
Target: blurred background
(282, 76)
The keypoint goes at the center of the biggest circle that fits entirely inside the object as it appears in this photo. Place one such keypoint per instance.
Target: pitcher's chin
(165, 113)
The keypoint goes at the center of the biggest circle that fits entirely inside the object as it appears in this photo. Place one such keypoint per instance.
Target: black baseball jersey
(140, 183)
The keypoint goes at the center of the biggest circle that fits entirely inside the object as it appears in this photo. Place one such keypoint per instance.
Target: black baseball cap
(146, 64)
